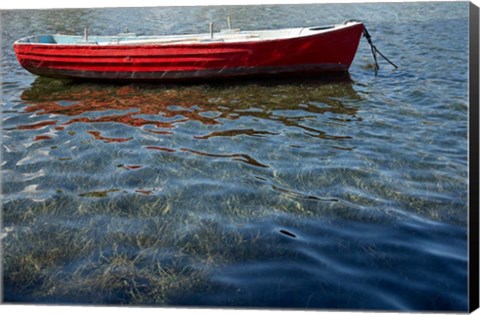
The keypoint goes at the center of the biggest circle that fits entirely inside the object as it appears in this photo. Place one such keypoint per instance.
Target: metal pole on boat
(126, 30)
(229, 21)
(210, 26)
(85, 34)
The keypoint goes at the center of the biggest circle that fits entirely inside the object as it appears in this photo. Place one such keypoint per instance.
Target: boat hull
(331, 51)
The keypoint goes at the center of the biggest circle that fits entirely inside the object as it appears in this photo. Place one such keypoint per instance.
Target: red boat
(227, 53)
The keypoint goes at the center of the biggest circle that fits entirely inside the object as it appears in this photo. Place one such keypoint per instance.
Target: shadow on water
(163, 106)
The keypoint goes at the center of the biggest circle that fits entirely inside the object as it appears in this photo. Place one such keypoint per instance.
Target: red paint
(329, 51)
(42, 137)
(127, 119)
(37, 125)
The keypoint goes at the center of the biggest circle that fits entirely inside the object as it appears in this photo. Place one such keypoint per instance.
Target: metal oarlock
(210, 26)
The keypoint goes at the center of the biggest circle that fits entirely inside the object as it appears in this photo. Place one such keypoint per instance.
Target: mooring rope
(375, 51)
(372, 47)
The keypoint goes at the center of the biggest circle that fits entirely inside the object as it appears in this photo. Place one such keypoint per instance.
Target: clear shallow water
(307, 193)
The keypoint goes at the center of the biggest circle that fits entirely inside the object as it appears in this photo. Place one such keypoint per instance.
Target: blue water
(338, 193)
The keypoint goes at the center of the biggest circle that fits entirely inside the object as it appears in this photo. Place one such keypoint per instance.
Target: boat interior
(227, 35)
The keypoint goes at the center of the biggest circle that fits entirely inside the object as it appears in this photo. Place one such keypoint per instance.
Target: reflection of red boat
(228, 53)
